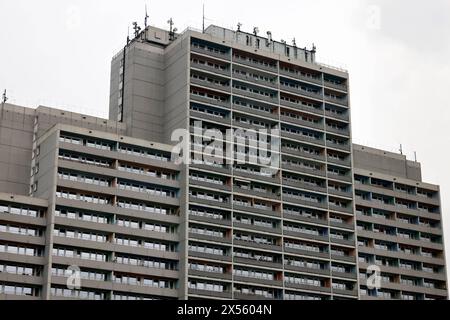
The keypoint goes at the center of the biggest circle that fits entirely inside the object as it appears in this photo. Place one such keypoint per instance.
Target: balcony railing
(298, 75)
(310, 94)
(302, 107)
(211, 85)
(211, 52)
(211, 101)
(225, 72)
(256, 80)
(247, 93)
(342, 101)
(254, 64)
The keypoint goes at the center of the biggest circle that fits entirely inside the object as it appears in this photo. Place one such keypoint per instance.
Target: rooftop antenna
(172, 29)
(294, 43)
(146, 17)
(203, 24)
(4, 97)
(255, 31)
(128, 35)
(415, 156)
(314, 48)
(401, 149)
(137, 29)
(269, 38)
(239, 25)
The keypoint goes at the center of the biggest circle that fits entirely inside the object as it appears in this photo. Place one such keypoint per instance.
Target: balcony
(206, 67)
(303, 169)
(347, 292)
(257, 193)
(300, 153)
(267, 212)
(210, 167)
(318, 221)
(213, 52)
(348, 209)
(301, 286)
(225, 205)
(297, 200)
(251, 296)
(345, 275)
(301, 107)
(211, 85)
(257, 245)
(295, 268)
(261, 97)
(298, 91)
(252, 227)
(206, 116)
(303, 185)
(342, 131)
(258, 263)
(256, 81)
(311, 253)
(343, 258)
(334, 85)
(303, 138)
(340, 193)
(304, 235)
(210, 256)
(207, 293)
(342, 116)
(211, 185)
(343, 162)
(340, 177)
(211, 101)
(343, 225)
(257, 176)
(205, 237)
(339, 146)
(255, 64)
(272, 283)
(220, 222)
(256, 112)
(210, 275)
(343, 101)
(346, 242)
(302, 122)
(297, 75)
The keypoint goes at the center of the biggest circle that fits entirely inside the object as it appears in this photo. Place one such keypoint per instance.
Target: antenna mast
(4, 97)
(146, 17)
(172, 29)
(137, 29)
(203, 28)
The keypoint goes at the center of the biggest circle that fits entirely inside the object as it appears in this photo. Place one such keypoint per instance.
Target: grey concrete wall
(176, 87)
(16, 140)
(144, 92)
(17, 134)
(385, 162)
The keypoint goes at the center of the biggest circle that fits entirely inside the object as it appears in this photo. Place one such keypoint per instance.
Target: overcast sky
(58, 53)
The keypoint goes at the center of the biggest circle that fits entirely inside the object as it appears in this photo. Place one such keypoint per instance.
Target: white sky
(58, 53)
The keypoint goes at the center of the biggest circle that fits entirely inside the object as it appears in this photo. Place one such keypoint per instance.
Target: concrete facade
(108, 197)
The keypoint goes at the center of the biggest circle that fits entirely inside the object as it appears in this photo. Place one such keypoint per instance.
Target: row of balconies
(398, 194)
(399, 224)
(225, 103)
(272, 95)
(272, 119)
(265, 65)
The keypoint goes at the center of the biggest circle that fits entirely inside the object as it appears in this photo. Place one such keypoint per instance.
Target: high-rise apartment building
(108, 198)
(399, 227)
